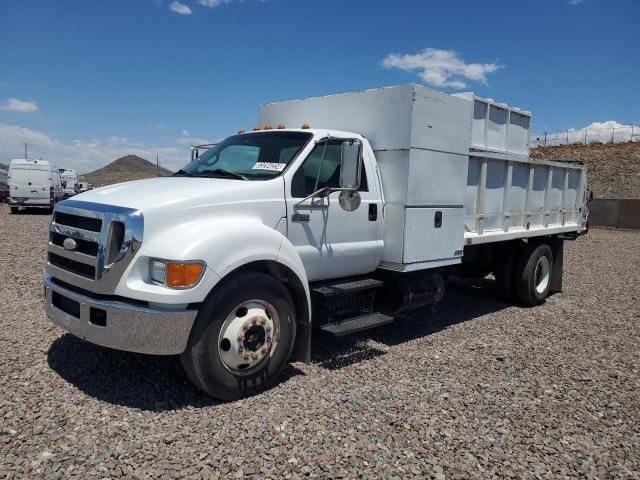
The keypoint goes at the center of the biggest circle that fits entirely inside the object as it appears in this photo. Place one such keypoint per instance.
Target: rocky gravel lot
(473, 389)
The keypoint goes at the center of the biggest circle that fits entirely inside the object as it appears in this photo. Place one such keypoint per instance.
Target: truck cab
(269, 235)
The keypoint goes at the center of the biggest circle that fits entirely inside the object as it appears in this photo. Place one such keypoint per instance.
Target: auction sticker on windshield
(275, 167)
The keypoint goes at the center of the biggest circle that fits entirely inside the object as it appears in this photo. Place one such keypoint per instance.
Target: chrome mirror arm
(313, 195)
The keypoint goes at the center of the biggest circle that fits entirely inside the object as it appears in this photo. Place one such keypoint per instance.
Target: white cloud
(215, 3)
(156, 126)
(15, 105)
(187, 139)
(180, 8)
(602, 132)
(575, 2)
(88, 154)
(441, 68)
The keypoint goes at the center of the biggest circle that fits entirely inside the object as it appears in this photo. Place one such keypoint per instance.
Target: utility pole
(25, 150)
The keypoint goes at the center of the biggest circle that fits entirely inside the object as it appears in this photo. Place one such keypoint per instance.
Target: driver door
(331, 241)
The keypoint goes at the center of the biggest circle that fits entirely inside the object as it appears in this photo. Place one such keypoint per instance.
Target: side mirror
(350, 164)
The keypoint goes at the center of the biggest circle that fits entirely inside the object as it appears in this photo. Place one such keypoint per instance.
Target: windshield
(249, 156)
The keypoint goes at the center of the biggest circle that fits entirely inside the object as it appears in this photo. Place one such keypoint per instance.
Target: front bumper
(117, 324)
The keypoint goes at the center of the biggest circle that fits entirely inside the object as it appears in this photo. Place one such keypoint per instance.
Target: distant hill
(124, 169)
(4, 167)
(613, 169)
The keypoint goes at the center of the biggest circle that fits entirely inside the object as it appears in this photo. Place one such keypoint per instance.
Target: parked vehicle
(33, 184)
(69, 182)
(4, 186)
(84, 186)
(231, 261)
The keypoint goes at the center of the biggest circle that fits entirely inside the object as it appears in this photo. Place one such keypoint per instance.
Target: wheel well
(302, 345)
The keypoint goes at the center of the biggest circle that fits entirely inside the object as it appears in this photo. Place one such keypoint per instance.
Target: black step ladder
(343, 307)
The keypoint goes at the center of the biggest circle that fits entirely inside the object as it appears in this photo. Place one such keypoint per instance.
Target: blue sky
(84, 81)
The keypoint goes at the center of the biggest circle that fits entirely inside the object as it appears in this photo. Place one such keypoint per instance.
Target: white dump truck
(271, 235)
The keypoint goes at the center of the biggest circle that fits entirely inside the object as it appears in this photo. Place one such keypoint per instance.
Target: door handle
(373, 212)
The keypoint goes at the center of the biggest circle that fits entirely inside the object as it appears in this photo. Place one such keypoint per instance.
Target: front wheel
(14, 210)
(242, 338)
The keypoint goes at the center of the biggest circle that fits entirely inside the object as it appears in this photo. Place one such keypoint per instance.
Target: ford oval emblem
(69, 244)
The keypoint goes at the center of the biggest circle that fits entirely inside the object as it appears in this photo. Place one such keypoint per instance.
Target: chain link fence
(622, 134)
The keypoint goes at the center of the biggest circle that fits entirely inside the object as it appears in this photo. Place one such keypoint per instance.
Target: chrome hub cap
(248, 336)
(542, 274)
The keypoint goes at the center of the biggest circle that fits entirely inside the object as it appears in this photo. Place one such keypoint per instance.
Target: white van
(69, 181)
(33, 183)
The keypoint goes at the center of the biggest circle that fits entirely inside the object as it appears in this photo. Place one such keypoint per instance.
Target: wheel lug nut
(264, 350)
(246, 356)
(245, 327)
(254, 321)
(262, 321)
(240, 338)
(254, 356)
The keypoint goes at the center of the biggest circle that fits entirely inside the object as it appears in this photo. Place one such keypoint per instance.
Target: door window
(326, 171)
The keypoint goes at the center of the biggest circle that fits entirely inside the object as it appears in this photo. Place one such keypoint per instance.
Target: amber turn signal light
(181, 275)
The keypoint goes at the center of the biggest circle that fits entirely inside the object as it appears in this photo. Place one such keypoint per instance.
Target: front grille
(83, 246)
(77, 221)
(105, 239)
(78, 268)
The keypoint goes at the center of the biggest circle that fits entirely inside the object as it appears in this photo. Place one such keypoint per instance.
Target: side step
(357, 324)
(331, 289)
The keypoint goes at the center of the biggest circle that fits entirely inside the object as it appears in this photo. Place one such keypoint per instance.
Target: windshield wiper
(182, 173)
(223, 173)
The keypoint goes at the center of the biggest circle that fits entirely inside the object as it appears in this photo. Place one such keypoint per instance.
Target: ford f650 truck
(340, 227)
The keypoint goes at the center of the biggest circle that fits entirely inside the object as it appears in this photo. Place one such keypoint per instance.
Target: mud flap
(557, 248)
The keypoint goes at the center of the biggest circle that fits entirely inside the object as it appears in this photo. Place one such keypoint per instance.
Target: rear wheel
(242, 338)
(533, 275)
(14, 210)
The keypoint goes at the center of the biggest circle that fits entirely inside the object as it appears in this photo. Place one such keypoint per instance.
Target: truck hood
(180, 193)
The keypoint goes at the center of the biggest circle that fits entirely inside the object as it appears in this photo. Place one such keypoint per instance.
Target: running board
(357, 324)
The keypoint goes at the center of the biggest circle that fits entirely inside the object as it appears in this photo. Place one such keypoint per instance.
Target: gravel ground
(474, 389)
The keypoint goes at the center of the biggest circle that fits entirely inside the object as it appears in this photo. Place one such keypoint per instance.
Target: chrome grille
(105, 240)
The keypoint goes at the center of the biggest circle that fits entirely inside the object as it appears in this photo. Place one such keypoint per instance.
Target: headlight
(176, 274)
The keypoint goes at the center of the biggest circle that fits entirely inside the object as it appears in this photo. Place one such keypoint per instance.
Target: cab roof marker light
(305, 126)
(281, 126)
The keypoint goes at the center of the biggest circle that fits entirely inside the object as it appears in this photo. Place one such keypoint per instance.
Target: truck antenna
(157, 166)
(25, 150)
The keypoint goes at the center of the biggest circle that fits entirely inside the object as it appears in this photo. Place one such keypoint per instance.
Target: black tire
(202, 361)
(528, 281)
(14, 210)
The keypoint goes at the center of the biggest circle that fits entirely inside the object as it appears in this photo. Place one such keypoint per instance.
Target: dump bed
(455, 170)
